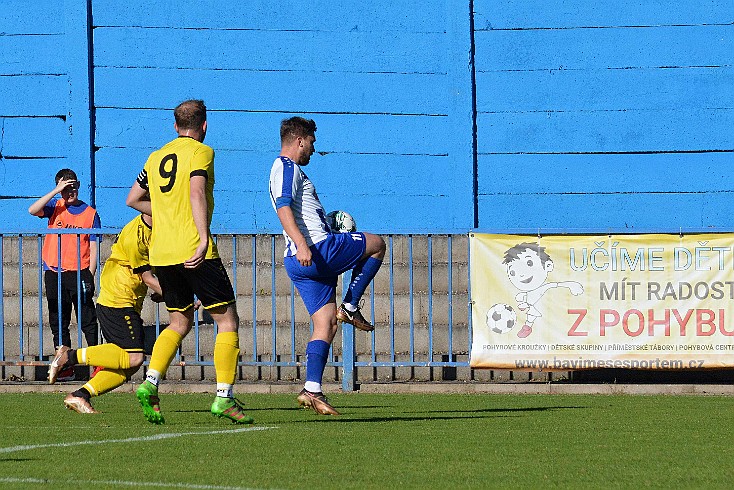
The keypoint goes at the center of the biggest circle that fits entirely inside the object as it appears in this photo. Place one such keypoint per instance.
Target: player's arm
(288, 221)
(36, 209)
(94, 245)
(138, 198)
(152, 282)
(200, 211)
(93, 253)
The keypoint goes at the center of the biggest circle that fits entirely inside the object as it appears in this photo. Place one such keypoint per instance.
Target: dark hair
(190, 114)
(514, 252)
(296, 127)
(66, 174)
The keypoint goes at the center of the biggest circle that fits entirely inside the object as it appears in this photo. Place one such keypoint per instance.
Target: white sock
(153, 377)
(312, 386)
(224, 390)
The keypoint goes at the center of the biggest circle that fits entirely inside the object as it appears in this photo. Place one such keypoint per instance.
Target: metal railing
(419, 301)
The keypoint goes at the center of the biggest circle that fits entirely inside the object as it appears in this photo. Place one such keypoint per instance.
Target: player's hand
(303, 256)
(158, 298)
(63, 184)
(197, 259)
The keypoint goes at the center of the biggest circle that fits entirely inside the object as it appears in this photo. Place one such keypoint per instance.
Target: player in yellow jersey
(176, 187)
(125, 280)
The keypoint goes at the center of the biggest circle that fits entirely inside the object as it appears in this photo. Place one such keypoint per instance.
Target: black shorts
(122, 327)
(209, 282)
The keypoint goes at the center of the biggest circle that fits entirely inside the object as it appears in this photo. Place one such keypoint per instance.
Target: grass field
(380, 441)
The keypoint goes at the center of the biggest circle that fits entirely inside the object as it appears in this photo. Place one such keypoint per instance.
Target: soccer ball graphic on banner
(341, 222)
(501, 318)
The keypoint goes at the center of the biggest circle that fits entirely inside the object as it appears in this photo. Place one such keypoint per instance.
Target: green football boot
(232, 409)
(147, 394)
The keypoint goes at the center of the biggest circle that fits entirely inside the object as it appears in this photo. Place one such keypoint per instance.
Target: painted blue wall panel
(389, 176)
(111, 207)
(530, 174)
(31, 54)
(34, 137)
(579, 49)
(259, 131)
(44, 100)
(34, 95)
(612, 114)
(379, 15)
(568, 14)
(373, 76)
(604, 131)
(77, 40)
(119, 167)
(267, 49)
(19, 219)
(606, 90)
(366, 174)
(137, 128)
(566, 91)
(29, 176)
(32, 17)
(584, 213)
(273, 91)
(397, 175)
(238, 211)
(243, 211)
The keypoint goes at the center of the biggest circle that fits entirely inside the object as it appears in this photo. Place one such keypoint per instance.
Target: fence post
(2, 302)
(348, 348)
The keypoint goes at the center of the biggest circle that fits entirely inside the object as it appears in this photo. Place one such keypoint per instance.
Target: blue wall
(44, 103)
(605, 114)
(433, 115)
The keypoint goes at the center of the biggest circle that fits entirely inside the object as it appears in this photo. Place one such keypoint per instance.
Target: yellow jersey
(120, 283)
(166, 176)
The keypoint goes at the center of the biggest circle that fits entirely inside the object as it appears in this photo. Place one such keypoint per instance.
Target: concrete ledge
(550, 388)
(405, 387)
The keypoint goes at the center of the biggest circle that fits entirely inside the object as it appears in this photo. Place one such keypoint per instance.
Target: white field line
(154, 437)
(137, 484)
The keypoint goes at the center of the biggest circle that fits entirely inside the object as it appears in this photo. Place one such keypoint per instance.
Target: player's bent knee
(375, 246)
(136, 360)
(226, 317)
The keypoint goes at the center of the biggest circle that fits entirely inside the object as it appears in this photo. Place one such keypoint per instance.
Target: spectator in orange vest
(69, 212)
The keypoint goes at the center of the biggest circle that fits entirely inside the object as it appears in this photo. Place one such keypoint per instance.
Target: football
(341, 222)
(501, 318)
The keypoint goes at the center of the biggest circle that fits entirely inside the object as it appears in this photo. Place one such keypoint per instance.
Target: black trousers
(70, 297)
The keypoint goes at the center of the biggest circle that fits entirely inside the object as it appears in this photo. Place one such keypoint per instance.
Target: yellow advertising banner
(608, 301)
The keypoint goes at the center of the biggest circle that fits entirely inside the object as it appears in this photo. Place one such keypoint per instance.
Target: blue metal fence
(420, 303)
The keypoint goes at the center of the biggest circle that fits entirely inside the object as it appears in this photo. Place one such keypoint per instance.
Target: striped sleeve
(284, 184)
(142, 179)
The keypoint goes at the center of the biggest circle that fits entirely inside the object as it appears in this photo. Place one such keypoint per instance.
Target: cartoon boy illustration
(528, 266)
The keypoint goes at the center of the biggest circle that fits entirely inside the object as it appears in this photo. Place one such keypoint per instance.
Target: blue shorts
(331, 257)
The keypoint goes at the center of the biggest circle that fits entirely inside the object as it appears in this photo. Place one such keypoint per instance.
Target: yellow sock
(164, 350)
(106, 355)
(105, 380)
(226, 351)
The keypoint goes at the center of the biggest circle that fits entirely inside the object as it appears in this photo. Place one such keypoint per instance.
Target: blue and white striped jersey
(290, 186)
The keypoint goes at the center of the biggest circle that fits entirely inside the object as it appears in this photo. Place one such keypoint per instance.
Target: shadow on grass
(247, 409)
(427, 415)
